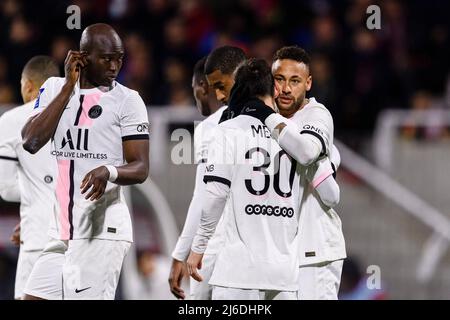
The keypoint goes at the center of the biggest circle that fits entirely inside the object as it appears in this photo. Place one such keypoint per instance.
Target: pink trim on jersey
(89, 100)
(62, 195)
(322, 177)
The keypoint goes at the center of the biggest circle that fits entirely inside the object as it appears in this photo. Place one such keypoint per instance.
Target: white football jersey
(261, 245)
(203, 135)
(321, 237)
(90, 133)
(36, 178)
(316, 120)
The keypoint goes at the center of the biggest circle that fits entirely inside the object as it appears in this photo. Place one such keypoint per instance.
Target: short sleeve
(134, 119)
(318, 122)
(9, 138)
(9, 162)
(45, 96)
(220, 158)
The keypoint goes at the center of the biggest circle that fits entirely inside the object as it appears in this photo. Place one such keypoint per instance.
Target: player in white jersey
(99, 129)
(221, 64)
(259, 258)
(208, 106)
(311, 138)
(29, 177)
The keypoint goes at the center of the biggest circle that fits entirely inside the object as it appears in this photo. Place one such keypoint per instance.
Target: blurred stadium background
(388, 91)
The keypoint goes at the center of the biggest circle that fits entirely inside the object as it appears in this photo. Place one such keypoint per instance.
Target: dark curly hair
(253, 79)
(293, 53)
(226, 59)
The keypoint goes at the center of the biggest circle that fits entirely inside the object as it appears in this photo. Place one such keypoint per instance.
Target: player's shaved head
(99, 35)
(39, 68)
(104, 53)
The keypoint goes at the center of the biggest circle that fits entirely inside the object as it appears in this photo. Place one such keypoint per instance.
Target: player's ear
(30, 87)
(86, 56)
(204, 87)
(308, 83)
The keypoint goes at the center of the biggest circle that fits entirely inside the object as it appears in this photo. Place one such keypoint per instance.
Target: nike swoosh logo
(78, 291)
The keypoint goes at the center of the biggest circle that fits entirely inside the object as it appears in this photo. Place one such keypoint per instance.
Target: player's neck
(214, 105)
(85, 83)
(268, 100)
(304, 103)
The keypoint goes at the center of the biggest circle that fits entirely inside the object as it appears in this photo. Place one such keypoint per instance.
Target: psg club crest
(95, 112)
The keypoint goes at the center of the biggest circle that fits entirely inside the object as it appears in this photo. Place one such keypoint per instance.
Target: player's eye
(107, 59)
(295, 81)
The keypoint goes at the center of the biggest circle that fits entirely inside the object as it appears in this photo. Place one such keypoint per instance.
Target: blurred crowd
(356, 71)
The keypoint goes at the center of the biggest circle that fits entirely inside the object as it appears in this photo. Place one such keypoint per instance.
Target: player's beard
(292, 108)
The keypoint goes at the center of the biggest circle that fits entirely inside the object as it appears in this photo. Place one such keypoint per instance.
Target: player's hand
(15, 237)
(194, 263)
(97, 179)
(177, 272)
(75, 60)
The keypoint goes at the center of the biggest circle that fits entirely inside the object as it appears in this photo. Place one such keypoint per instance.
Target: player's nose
(285, 88)
(113, 66)
(220, 96)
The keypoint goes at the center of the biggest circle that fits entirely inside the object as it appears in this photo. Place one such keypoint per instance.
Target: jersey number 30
(276, 177)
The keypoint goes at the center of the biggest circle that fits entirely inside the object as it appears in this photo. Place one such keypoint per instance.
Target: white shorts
(320, 281)
(25, 264)
(92, 268)
(202, 290)
(45, 280)
(226, 293)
